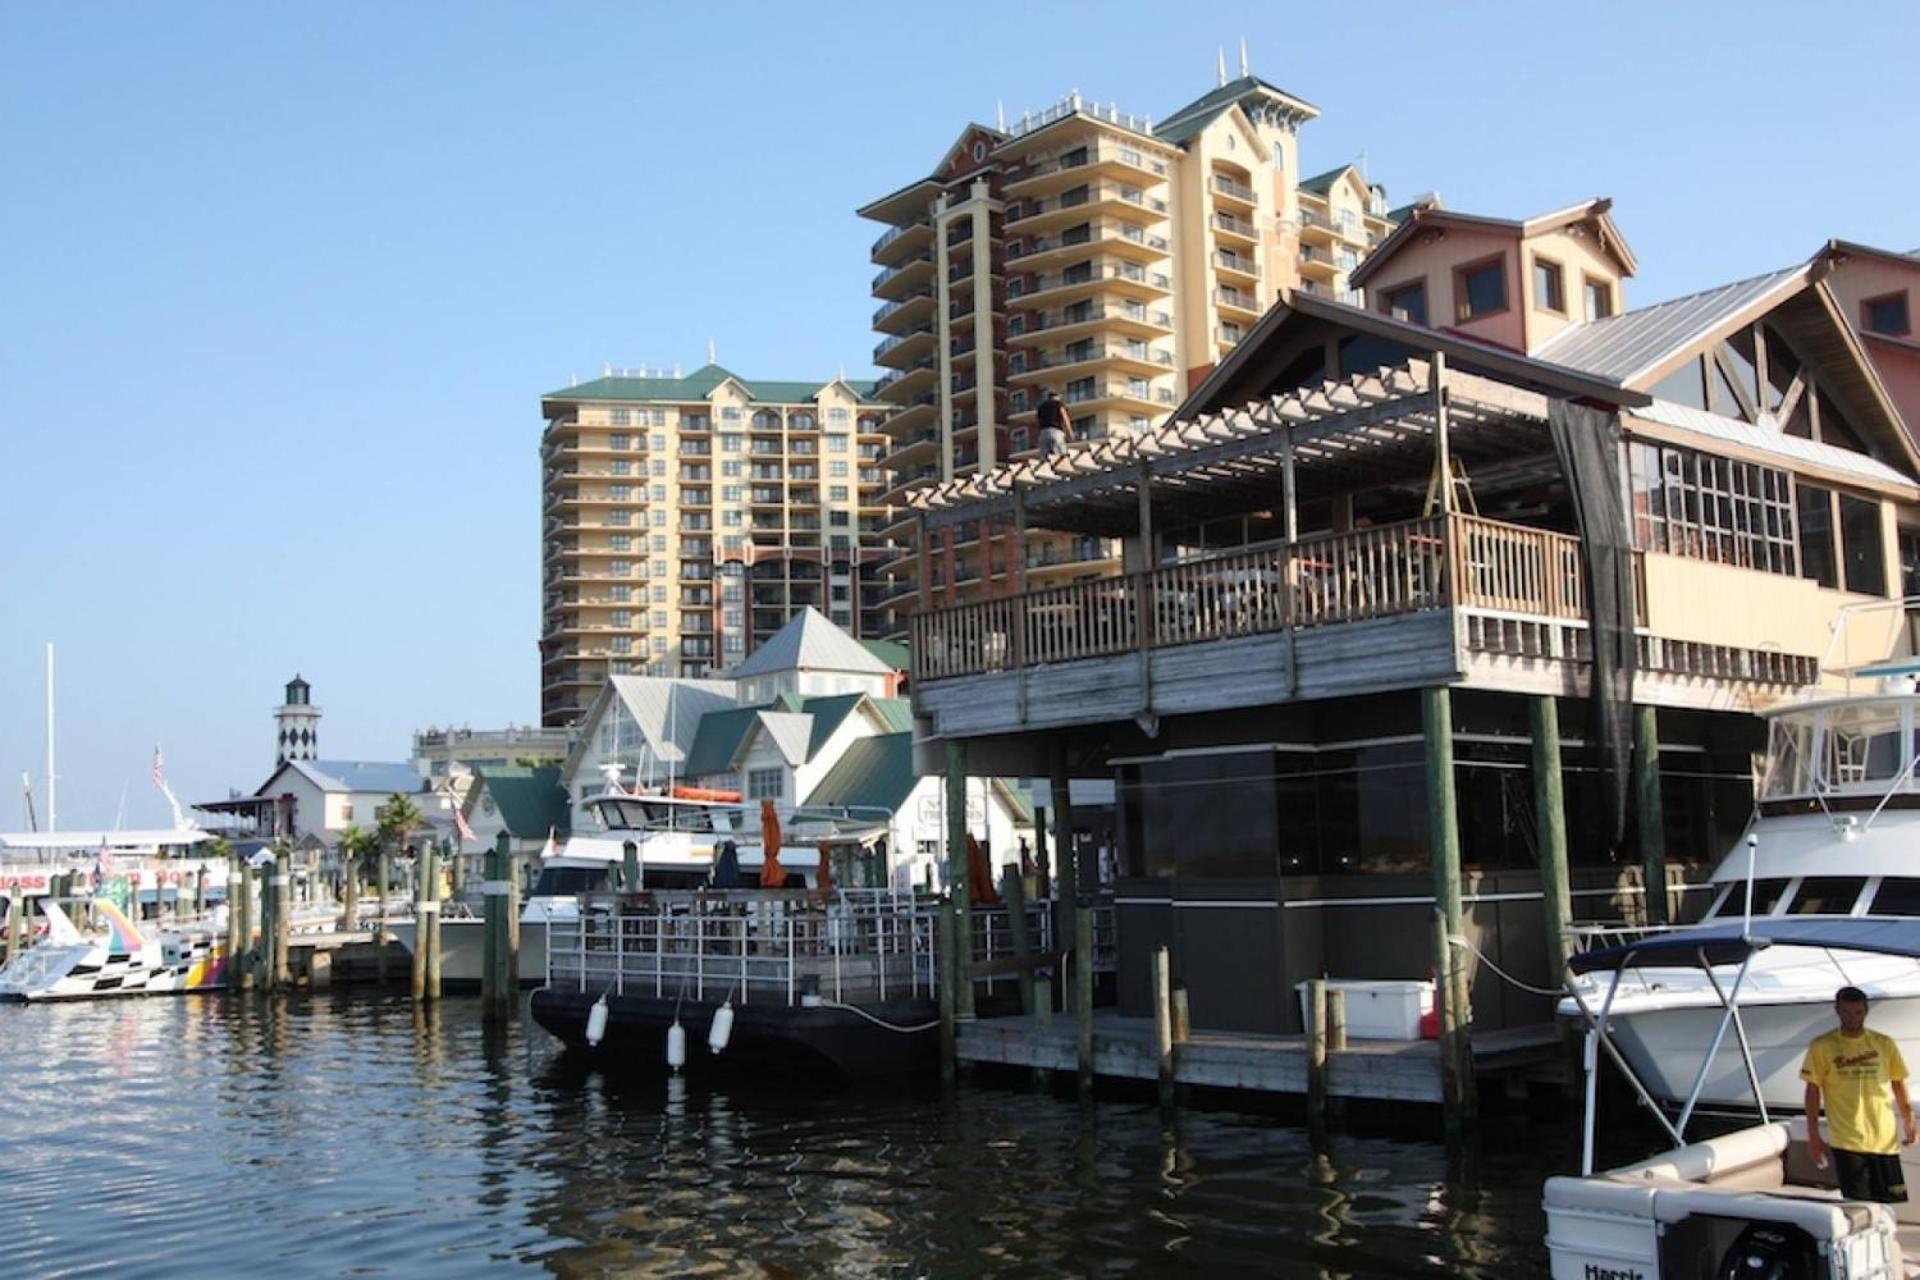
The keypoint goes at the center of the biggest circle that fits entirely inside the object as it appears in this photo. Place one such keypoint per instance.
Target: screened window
(1817, 559)
(1408, 302)
(1694, 504)
(1480, 289)
(765, 784)
(1866, 549)
(1827, 895)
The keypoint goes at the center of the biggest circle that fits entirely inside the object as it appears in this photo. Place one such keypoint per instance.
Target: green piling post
(1083, 991)
(1651, 818)
(1443, 827)
(959, 878)
(496, 990)
(1550, 820)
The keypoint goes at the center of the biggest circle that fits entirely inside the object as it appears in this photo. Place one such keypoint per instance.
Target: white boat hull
(462, 946)
(89, 971)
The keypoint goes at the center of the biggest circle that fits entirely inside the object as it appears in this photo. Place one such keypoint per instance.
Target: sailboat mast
(53, 808)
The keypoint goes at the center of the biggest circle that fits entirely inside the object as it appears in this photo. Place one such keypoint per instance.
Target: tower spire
(711, 357)
(1000, 116)
(1223, 66)
(1243, 56)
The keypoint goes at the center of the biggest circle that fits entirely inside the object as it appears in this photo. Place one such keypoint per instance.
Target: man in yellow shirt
(1854, 1070)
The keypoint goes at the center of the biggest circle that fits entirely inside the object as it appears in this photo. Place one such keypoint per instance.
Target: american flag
(159, 770)
(460, 825)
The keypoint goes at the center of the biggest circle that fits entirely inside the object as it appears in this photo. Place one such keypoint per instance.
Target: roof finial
(1000, 116)
(1223, 66)
(711, 357)
(1243, 56)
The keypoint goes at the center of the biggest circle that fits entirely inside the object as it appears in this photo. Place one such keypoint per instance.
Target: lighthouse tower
(298, 724)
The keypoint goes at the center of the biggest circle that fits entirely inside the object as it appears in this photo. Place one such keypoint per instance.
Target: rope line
(1460, 941)
(880, 1022)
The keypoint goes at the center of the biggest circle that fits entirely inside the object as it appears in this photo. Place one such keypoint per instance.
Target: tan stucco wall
(1579, 254)
(1434, 261)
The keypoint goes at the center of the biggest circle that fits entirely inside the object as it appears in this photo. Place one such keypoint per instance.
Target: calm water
(349, 1136)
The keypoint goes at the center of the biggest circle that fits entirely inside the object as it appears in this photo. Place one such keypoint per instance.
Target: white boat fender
(676, 1045)
(721, 1032)
(597, 1022)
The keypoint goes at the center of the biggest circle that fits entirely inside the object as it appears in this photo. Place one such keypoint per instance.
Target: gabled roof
(1849, 248)
(531, 802)
(1190, 119)
(895, 655)
(1322, 183)
(718, 740)
(789, 732)
(810, 642)
(699, 385)
(1433, 217)
(874, 772)
(1627, 346)
(358, 776)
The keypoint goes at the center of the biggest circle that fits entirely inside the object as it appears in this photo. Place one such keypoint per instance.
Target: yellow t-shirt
(1853, 1073)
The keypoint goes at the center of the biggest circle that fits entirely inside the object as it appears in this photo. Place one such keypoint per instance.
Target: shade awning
(1730, 943)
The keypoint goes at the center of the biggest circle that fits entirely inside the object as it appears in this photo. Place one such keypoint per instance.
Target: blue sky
(283, 284)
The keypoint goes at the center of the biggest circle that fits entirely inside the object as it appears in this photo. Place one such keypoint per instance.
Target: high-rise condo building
(1111, 258)
(685, 519)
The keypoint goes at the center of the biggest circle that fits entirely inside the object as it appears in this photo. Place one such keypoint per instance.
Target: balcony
(1121, 237)
(1025, 366)
(1317, 264)
(1237, 301)
(900, 351)
(1227, 227)
(1127, 278)
(1246, 265)
(896, 281)
(1228, 191)
(896, 244)
(1133, 318)
(1119, 199)
(1317, 228)
(902, 314)
(1122, 163)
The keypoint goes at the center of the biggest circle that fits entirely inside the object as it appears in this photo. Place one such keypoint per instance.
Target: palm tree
(354, 846)
(395, 820)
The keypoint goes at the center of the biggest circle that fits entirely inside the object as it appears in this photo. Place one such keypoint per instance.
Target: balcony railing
(1238, 226)
(891, 234)
(1238, 190)
(1441, 562)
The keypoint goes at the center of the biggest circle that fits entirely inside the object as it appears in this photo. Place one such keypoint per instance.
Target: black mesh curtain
(1588, 442)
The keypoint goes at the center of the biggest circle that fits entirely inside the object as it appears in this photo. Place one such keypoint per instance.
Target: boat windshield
(1861, 748)
(565, 882)
(661, 813)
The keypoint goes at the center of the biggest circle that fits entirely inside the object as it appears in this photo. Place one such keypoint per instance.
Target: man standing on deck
(1055, 427)
(1854, 1070)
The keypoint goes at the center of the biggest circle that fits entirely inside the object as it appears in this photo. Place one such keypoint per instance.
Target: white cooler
(1379, 1010)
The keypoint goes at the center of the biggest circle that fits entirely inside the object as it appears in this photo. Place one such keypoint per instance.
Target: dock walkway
(1389, 1070)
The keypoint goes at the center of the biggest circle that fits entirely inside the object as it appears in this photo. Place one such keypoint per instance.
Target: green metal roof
(890, 652)
(898, 712)
(531, 801)
(1189, 125)
(1212, 103)
(718, 737)
(700, 384)
(875, 772)
(1321, 183)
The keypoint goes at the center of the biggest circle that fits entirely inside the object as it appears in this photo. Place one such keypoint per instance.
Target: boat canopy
(1730, 943)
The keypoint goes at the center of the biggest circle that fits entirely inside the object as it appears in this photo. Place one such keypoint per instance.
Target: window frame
(1906, 310)
(1390, 292)
(1461, 302)
(1550, 269)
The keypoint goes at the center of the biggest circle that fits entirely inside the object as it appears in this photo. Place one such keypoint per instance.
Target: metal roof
(531, 801)
(360, 776)
(791, 733)
(1790, 449)
(1721, 944)
(668, 710)
(874, 772)
(700, 384)
(810, 642)
(1624, 347)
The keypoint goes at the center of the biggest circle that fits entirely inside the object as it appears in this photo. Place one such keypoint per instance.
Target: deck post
(1442, 459)
(923, 552)
(236, 942)
(1650, 820)
(263, 954)
(1550, 820)
(959, 878)
(350, 896)
(1316, 1052)
(1336, 1019)
(384, 871)
(494, 1000)
(1163, 1021)
(1014, 894)
(1451, 988)
(1043, 868)
(1083, 992)
(1066, 876)
(427, 932)
(282, 916)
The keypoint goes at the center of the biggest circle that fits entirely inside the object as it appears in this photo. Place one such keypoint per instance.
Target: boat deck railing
(757, 946)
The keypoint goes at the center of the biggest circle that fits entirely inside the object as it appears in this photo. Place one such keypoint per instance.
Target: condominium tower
(685, 519)
(1109, 257)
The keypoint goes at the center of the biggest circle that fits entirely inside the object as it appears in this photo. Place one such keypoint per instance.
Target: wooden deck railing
(1438, 562)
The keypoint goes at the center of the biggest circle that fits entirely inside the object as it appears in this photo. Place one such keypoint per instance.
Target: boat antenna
(120, 817)
(53, 808)
(26, 794)
(1753, 842)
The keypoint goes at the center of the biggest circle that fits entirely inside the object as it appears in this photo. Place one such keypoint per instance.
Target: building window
(1865, 546)
(1549, 286)
(836, 493)
(1710, 508)
(621, 592)
(837, 414)
(837, 443)
(731, 443)
(659, 520)
(1817, 560)
(659, 420)
(1886, 314)
(837, 469)
(1406, 302)
(1279, 155)
(659, 442)
(1480, 289)
(618, 440)
(730, 413)
(621, 417)
(621, 467)
(621, 644)
(730, 493)
(733, 644)
(623, 618)
(766, 784)
(622, 568)
(837, 519)
(621, 542)
(658, 467)
(659, 542)
(660, 566)
(1599, 299)
(731, 519)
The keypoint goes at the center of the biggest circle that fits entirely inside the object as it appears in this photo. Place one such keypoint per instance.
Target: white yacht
(1835, 839)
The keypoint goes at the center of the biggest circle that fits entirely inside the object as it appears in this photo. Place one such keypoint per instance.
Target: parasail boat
(124, 962)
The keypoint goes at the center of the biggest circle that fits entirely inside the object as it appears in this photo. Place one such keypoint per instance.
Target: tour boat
(1746, 1203)
(677, 834)
(125, 962)
(1835, 838)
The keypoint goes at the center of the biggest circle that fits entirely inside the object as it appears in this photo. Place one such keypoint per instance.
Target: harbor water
(354, 1135)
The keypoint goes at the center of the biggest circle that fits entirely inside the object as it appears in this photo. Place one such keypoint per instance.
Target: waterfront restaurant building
(1382, 550)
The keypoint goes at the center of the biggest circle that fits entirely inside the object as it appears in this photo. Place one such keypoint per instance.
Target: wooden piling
(1550, 821)
(16, 918)
(629, 867)
(263, 949)
(282, 917)
(200, 894)
(1317, 1051)
(496, 984)
(1014, 893)
(427, 933)
(1650, 818)
(1041, 861)
(385, 873)
(1443, 827)
(417, 969)
(1083, 991)
(1163, 1021)
(1336, 1019)
(944, 981)
(959, 877)
(514, 878)
(1182, 1015)
(235, 939)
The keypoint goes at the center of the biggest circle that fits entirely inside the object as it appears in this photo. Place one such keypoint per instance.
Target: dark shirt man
(1055, 429)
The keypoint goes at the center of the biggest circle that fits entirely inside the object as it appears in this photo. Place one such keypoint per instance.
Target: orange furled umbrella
(824, 880)
(772, 874)
(981, 890)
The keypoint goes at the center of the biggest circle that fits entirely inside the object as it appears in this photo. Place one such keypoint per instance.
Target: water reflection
(348, 1134)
